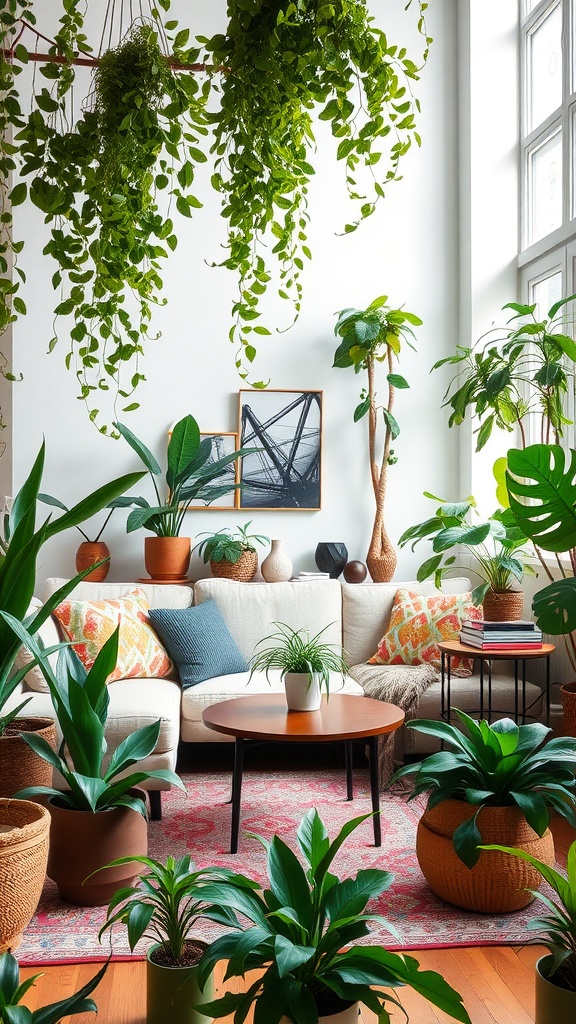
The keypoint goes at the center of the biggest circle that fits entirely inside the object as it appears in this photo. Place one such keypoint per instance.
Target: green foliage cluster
(228, 545)
(301, 935)
(499, 765)
(294, 650)
(12, 991)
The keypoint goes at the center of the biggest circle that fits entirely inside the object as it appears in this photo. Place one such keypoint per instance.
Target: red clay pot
(90, 552)
(167, 558)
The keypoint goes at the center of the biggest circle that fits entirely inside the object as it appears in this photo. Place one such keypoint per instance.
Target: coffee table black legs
(375, 788)
(236, 792)
(349, 762)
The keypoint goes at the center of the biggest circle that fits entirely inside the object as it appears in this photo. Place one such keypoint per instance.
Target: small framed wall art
(285, 428)
(223, 444)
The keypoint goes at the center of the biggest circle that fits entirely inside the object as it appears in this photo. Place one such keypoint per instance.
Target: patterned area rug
(274, 803)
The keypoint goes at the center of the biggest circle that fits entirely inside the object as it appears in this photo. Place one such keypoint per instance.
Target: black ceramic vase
(331, 558)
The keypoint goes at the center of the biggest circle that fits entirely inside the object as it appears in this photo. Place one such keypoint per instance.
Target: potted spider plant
(12, 990)
(556, 972)
(300, 939)
(305, 663)
(496, 783)
(164, 907)
(231, 553)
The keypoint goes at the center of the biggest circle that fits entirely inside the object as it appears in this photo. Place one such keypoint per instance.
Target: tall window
(547, 259)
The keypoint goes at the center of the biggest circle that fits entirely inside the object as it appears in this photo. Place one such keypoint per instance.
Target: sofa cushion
(366, 610)
(48, 636)
(251, 609)
(199, 642)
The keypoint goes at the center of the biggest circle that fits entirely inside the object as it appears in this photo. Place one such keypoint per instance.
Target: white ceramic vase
(302, 691)
(277, 566)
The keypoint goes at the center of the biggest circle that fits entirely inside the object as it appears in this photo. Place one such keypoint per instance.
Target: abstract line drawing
(222, 444)
(285, 428)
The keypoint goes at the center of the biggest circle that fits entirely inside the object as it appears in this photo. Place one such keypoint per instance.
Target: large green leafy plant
(81, 703)
(499, 765)
(12, 990)
(20, 545)
(301, 935)
(369, 337)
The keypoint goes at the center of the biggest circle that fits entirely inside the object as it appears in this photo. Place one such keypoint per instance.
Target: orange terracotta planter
(90, 552)
(167, 558)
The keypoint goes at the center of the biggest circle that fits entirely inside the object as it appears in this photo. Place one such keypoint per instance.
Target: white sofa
(356, 616)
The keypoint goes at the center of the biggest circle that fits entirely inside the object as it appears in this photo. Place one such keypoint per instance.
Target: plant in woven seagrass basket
(20, 543)
(12, 992)
(24, 838)
(369, 337)
(496, 784)
(231, 553)
(301, 934)
(164, 907)
(556, 972)
(305, 664)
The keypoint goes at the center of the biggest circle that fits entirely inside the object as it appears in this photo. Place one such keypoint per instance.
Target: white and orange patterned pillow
(418, 624)
(89, 624)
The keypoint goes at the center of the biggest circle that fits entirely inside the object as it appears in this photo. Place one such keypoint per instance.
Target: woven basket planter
(503, 605)
(20, 766)
(568, 691)
(242, 571)
(497, 883)
(24, 835)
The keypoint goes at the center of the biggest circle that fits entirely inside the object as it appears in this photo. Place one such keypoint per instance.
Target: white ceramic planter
(302, 691)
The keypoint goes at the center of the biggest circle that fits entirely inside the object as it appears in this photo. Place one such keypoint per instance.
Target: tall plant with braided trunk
(371, 336)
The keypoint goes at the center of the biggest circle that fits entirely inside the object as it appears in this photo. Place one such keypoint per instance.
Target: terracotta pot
(554, 1005)
(243, 570)
(20, 766)
(349, 1015)
(302, 691)
(90, 552)
(173, 993)
(497, 883)
(503, 605)
(167, 558)
(568, 691)
(24, 835)
(81, 842)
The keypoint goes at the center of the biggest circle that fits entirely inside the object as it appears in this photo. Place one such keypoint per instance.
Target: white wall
(408, 251)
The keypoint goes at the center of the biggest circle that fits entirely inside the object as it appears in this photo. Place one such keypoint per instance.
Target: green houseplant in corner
(101, 815)
(231, 553)
(12, 991)
(305, 663)
(496, 781)
(301, 934)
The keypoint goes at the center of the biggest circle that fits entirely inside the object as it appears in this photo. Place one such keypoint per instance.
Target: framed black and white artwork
(285, 429)
(223, 444)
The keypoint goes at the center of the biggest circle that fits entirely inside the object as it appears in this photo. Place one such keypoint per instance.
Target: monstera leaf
(541, 482)
(555, 607)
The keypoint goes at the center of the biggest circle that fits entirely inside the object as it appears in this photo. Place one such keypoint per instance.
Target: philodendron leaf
(466, 840)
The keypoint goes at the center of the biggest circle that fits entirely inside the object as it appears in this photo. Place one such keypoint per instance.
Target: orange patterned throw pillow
(89, 624)
(418, 624)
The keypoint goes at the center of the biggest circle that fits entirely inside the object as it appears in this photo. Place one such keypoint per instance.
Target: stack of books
(494, 636)
(311, 576)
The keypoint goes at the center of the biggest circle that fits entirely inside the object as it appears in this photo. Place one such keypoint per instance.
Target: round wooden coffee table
(345, 717)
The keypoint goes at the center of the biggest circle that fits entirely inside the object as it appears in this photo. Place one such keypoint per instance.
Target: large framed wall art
(285, 429)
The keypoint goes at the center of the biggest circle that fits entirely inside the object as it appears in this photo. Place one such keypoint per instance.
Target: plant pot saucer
(167, 579)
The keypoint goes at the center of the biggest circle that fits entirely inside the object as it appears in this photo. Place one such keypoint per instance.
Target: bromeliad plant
(12, 991)
(294, 650)
(499, 765)
(81, 701)
(302, 927)
(227, 545)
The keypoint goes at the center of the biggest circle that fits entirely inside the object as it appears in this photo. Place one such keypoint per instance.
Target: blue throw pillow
(198, 641)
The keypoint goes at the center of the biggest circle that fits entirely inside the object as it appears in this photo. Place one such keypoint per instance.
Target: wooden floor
(497, 982)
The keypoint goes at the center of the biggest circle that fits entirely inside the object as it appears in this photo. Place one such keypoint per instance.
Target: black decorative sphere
(331, 558)
(355, 572)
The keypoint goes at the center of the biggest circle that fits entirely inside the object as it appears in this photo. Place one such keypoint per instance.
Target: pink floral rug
(274, 802)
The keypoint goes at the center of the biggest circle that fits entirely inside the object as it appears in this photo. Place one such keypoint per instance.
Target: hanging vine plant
(98, 185)
(288, 61)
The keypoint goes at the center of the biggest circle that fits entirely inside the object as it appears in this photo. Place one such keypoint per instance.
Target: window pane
(545, 67)
(546, 292)
(545, 187)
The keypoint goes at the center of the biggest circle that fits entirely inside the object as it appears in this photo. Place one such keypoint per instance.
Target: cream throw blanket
(402, 685)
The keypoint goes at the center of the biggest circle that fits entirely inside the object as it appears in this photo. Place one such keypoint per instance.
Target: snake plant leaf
(555, 607)
(542, 474)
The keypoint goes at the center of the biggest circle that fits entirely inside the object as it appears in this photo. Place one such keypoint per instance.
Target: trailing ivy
(98, 185)
(287, 61)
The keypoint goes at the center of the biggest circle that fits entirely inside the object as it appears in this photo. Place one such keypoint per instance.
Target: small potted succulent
(496, 781)
(300, 939)
(305, 664)
(231, 553)
(12, 991)
(164, 908)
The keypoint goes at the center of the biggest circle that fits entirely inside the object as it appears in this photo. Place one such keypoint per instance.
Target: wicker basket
(243, 570)
(568, 691)
(20, 766)
(497, 883)
(503, 605)
(23, 857)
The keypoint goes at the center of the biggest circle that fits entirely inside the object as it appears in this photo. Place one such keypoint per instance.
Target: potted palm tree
(301, 935)
(12, 990)
(305, 664)
(164, 907)
(497, 782)
(101, 815)
(190, 476)
(231, 554)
